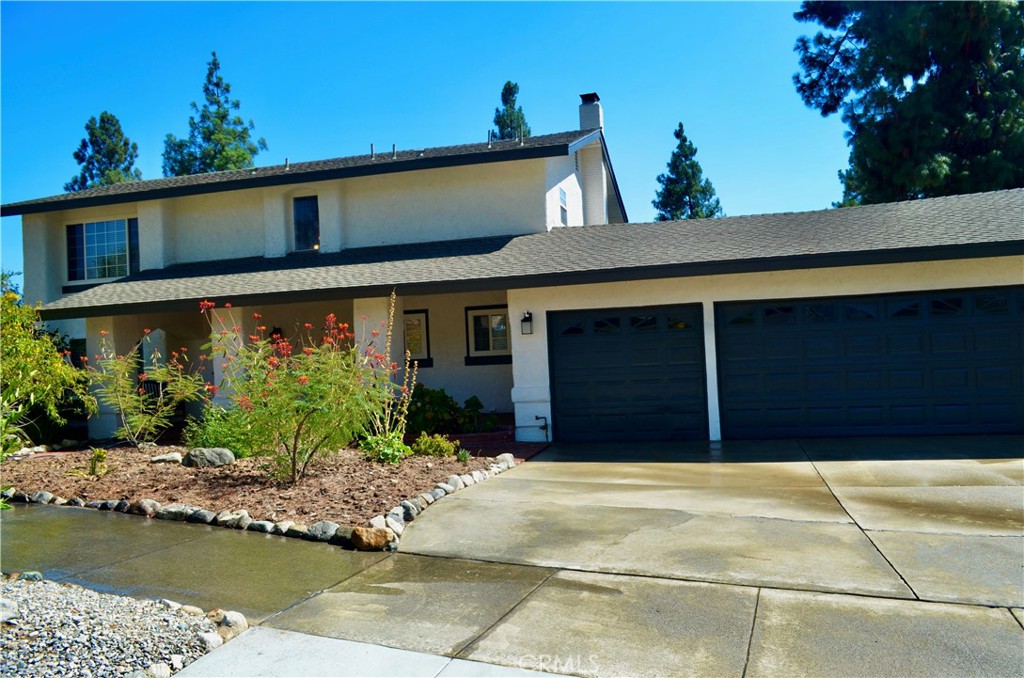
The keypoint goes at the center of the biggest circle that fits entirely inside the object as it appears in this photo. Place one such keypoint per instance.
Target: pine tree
(933, 94)
(509, 119)
(106, 155)
(685, 193)
(219, 140)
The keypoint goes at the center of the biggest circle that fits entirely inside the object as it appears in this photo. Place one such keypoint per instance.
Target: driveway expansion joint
(859, 527)
(750, 640)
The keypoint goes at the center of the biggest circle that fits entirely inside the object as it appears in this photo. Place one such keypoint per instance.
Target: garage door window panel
(903, 308)
(949, 306)
(860, 311)
(987, 304)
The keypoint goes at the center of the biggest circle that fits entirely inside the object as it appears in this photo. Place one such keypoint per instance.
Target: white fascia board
(585, 141)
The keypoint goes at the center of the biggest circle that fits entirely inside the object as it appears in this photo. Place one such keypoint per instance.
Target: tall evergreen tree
(933, 93)
(685, 193)
(219, 139)
(509, 119)
(106, 155)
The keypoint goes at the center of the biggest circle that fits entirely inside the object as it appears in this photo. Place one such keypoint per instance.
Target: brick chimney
(591, 115)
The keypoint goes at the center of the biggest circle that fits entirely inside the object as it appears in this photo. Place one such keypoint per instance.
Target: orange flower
(303, 380)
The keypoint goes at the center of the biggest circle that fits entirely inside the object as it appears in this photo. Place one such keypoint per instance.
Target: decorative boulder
(169, 458)
(322, 531)
(372, 538)
(41, 497)
(200, 457)
(144, 507)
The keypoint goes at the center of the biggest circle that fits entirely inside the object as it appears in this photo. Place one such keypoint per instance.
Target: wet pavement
(845, 558)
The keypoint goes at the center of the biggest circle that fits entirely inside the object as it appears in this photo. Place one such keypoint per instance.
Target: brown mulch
(343, 488)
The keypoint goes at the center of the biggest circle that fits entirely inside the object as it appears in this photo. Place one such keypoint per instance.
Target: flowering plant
(301, 397)
(386, 437)
(144, 398)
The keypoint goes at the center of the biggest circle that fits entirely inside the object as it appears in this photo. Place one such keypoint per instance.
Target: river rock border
(382, 534)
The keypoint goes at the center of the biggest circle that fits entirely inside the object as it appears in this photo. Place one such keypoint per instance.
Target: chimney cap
(590, 98)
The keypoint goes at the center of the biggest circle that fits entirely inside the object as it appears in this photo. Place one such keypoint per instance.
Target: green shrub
(472, 419)
(386, 448)
(432, 410)
(36, 375)
(437, 445)
(219, 427)
(463, 456)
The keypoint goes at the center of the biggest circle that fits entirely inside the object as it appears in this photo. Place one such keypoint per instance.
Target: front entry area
(628, 374)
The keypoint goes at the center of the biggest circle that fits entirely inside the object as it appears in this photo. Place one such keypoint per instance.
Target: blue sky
(323, 80)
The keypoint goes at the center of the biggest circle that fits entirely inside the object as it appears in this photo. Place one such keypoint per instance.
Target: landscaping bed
(344, 488)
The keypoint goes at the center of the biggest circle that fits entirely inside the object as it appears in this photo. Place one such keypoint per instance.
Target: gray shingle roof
(358, 165)
(979, 224)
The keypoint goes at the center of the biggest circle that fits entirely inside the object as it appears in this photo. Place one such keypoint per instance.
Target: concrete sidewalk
(823, 558)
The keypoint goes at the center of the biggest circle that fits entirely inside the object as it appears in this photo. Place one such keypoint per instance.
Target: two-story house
(520, 281)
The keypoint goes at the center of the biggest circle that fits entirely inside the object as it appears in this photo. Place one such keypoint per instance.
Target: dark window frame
(306, 241)
(498, 359)
(429, 360)
(77, 248)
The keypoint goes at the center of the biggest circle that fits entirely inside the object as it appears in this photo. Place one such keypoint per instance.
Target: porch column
(224, 335)
(531, 391)
(105, 422)
(711, 371)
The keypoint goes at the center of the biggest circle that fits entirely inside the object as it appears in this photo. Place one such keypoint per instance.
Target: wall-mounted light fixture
(527, 323)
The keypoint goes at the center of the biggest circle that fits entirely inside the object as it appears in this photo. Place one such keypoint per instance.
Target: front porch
(461, 342)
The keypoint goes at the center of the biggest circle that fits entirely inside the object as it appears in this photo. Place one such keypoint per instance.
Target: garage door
(935, 362)
(628, 374)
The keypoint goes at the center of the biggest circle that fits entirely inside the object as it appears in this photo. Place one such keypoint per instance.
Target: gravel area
(67, 630)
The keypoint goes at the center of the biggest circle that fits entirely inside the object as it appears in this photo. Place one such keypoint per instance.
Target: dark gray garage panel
(918, 363)
(628, 374)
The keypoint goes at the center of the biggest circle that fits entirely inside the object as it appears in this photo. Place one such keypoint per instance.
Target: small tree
(106, 155)
(509, 119)
(685, 193)
(219, 139)
(34, 375)
(144, 401)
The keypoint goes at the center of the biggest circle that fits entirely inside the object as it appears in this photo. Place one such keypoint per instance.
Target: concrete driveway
(900, 557)
(825, 557)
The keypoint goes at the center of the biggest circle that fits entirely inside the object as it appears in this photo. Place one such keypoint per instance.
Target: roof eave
(681, 270)
(387, 167)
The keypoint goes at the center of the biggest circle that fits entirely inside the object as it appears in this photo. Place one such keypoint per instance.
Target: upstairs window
(100, 250)
(563, 206)
(306, 213)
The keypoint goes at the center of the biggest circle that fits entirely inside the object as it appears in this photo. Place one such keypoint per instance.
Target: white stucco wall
(560, 173)
(595, 184)
(215, 226)
(446, 316)
(442, 204)
(531, 393)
